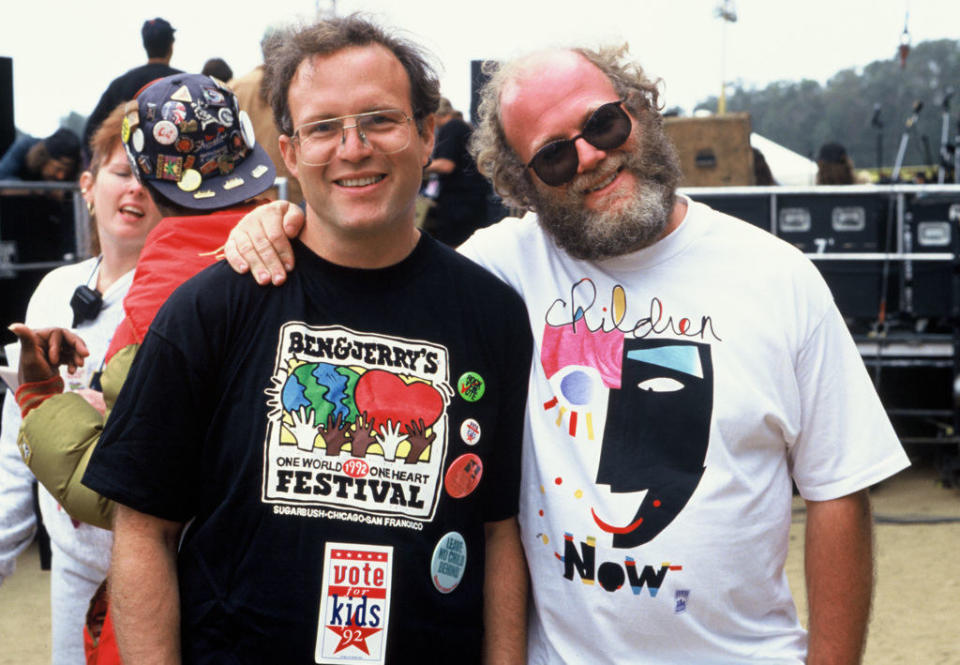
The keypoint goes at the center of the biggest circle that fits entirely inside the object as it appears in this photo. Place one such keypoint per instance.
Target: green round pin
(471, 386)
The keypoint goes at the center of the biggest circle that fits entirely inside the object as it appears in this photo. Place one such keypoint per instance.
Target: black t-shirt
(461, 204)
(465, 182)
(122, 89)
(249, 411)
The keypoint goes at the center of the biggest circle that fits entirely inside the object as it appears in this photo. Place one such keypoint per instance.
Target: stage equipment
(877, 123)
(891, 256)
(904, 138)
(714, 151)
(7, 131)
(946, 150)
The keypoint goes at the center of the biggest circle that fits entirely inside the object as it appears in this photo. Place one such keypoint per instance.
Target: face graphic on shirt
(655, 438)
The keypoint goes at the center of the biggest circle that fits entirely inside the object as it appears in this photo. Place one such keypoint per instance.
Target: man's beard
(635, 224)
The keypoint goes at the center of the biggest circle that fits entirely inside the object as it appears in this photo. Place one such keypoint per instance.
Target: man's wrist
(31, 395)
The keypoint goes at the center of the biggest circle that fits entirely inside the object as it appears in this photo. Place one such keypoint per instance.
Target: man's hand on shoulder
(260, 242)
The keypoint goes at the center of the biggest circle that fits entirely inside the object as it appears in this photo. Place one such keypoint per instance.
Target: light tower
(726, 11)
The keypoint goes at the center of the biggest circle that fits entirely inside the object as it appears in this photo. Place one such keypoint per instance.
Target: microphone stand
(927, 156)
(956, 154)
(946, 150)
(904, 138)
(877, 123)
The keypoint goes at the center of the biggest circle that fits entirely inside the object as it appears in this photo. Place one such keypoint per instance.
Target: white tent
(788, 167)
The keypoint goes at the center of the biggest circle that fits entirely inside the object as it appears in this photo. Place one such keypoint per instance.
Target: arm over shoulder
(58, 438)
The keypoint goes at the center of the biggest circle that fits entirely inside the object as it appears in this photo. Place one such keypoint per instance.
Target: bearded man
(687, 367)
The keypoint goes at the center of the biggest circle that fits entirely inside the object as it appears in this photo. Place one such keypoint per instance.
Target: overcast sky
(65, 53)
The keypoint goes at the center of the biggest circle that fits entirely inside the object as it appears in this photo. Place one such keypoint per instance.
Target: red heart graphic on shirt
(384, 396)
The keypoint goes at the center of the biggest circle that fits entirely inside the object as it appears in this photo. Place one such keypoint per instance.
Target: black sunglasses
(607, 128)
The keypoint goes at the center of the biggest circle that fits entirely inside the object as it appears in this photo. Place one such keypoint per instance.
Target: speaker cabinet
(931, 224)
(715, 151)
(7, 131)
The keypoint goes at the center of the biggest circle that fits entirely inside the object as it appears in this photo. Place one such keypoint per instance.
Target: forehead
(351, 80)
(550, 98)
(116, 154)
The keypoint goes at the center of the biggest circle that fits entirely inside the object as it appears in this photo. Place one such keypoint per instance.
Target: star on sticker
(352, 636)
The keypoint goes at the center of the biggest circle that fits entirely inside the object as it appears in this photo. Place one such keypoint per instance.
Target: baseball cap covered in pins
(187, 139)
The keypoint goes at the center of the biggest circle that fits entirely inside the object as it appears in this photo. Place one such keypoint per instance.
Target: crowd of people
(574, 439)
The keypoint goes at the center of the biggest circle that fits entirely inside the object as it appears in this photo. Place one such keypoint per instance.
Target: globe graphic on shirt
(326, 389)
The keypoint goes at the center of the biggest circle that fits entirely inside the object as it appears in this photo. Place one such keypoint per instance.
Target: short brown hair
(284, 51)
(496, 159)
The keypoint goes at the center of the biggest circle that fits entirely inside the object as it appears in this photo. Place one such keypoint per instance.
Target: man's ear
(427, 137)
(289, 153)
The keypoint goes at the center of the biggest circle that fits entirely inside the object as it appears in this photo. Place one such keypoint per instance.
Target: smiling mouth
(609, 528)
(132, 211)
(613, 176)
(360, 182)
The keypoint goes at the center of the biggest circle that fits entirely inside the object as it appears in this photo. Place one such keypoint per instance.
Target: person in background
(218, 69)
(158, 40)
(460, 206)
(761, 170)
(688, 369)
(834, 166)
(54, 158)
(251, 92)
(87, 298)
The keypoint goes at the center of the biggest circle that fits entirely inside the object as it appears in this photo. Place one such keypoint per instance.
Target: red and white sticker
(354, 604)
(165, 132)
(470, 431)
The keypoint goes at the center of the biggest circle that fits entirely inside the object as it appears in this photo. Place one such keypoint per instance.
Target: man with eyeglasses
(328, 471)
(687, 367)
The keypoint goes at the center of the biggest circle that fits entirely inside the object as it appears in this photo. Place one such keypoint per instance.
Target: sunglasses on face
(607, 128)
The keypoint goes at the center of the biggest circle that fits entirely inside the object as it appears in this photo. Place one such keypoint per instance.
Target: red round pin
(463, 475)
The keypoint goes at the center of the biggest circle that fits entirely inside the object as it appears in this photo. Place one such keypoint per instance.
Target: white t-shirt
(50, 306)
(674, 392)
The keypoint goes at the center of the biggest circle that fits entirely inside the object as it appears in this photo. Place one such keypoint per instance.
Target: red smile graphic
(609, 528)
(441, 588)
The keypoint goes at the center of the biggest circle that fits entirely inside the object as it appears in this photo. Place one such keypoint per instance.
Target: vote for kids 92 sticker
(354, 604)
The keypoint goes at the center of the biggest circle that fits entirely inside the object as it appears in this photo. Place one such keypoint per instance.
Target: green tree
(803, 115)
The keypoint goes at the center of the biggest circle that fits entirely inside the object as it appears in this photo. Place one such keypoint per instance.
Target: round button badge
(190, 180)
(449, 562)
(165, 132)
(471, 386)
(137, 139)
(246, 128)
(463, 475)
(225, 116)
(470, 431)
(174, 111)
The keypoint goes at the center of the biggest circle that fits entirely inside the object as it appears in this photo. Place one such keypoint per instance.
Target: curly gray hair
(500, 163)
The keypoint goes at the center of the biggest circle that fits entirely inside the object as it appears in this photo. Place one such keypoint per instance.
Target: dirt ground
(916, 614)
